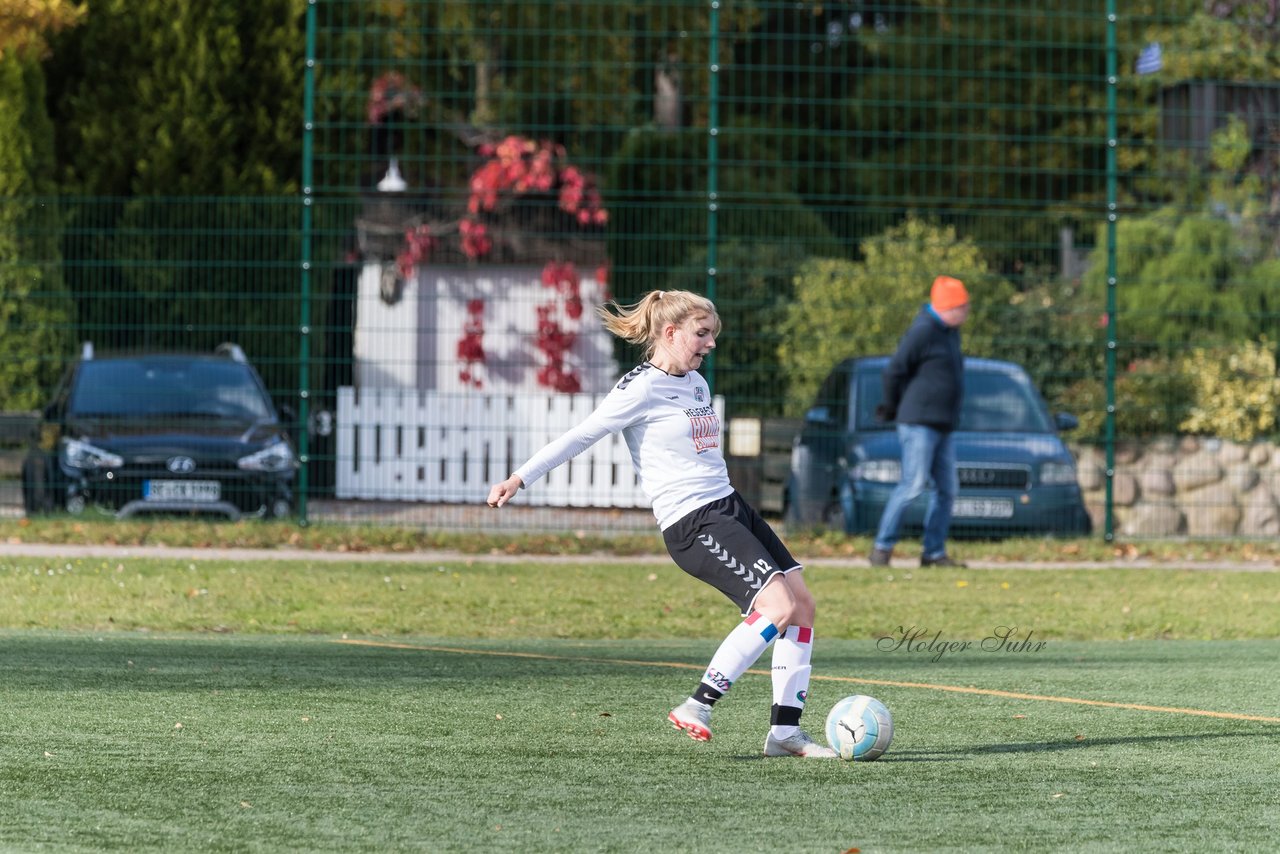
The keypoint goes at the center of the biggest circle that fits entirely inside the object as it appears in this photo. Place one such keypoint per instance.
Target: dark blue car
(1016, 475)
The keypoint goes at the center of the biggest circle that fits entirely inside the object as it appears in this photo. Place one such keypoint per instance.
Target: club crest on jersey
(699, 395)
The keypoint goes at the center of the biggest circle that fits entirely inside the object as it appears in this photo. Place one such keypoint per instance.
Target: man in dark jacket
(923, 390)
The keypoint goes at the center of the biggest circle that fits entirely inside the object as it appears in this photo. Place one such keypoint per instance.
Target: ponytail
(642, 322)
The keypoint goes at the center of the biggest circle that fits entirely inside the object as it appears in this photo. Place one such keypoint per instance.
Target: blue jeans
(926, 454)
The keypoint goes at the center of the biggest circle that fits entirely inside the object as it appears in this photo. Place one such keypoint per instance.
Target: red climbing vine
(471, 345)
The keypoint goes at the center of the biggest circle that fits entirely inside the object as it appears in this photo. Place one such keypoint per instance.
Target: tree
(1201, 275)
(972, 113)
(173, 121)
(35, 310)
(583, 73)
(208, 97)
(25, 24)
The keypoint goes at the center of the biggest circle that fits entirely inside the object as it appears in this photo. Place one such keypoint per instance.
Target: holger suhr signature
(920, 640)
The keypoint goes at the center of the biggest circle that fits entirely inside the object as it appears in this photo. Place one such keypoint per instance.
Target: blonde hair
(642, 322)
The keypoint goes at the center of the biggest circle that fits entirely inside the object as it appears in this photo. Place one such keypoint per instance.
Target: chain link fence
(476, 177)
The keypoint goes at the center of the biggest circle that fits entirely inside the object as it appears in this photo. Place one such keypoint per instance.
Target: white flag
(1150, 60)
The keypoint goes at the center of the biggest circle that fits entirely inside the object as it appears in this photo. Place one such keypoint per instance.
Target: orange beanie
(948, 293)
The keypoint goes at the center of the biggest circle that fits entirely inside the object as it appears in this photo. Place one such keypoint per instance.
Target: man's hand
(500, 493)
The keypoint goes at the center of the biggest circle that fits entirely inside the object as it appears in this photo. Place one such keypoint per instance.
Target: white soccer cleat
(692, 717)
(799, 743)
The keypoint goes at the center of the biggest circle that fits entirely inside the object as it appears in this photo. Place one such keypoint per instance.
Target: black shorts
(727, 545)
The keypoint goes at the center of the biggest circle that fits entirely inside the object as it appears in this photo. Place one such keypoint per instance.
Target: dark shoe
(944, 560)
(880, 557)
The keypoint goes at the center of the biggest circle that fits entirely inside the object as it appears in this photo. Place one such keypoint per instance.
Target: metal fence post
(304, 302)
(1112, 142)
(713, 201)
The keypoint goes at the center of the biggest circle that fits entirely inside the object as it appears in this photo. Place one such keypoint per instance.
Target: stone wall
(1185, 486)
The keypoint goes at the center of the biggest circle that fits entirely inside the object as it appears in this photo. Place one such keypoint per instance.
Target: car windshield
(994, 402)
(177, 388)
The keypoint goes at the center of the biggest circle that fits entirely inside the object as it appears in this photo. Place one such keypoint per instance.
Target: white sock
(791, 656)
(738, 651)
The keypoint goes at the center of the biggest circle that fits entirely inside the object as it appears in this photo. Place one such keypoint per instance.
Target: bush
(1180, 280)
(1152, 398)
(1057, 334)
(861, 308)
(1236, 391)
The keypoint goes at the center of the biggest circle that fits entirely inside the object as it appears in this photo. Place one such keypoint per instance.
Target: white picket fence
(404, 445)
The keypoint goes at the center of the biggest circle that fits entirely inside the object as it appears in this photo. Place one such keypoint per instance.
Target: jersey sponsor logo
(632, 374)
(705, 427)
(706, 433)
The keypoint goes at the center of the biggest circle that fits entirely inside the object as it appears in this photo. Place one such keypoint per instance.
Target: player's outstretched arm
(614, 413)
(500, 493)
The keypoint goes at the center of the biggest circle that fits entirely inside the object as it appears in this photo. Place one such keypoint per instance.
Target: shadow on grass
(38, 660)
(1071, 744)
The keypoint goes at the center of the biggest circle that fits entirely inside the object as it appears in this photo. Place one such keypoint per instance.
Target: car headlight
(277, 456)
(1057, 473)
(878, 471)
(82, 455)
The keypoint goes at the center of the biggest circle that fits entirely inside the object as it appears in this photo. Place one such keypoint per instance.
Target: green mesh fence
(477, 176)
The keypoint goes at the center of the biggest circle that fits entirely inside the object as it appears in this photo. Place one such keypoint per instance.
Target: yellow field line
(927, 686)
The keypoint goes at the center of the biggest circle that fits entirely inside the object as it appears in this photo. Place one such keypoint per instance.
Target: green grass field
(213, 705)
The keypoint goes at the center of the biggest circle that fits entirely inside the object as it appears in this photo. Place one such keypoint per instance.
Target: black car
(167, 433)
(1016, 475)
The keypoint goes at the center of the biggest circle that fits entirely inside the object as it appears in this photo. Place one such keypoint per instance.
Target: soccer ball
(859, 728)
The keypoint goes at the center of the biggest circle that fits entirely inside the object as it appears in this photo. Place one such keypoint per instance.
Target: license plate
(982, 508)
(181, 490)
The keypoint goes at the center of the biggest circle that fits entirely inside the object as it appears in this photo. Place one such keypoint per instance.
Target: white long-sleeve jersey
(673, 434)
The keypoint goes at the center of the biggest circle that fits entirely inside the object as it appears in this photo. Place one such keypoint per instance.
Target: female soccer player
(663, 409)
